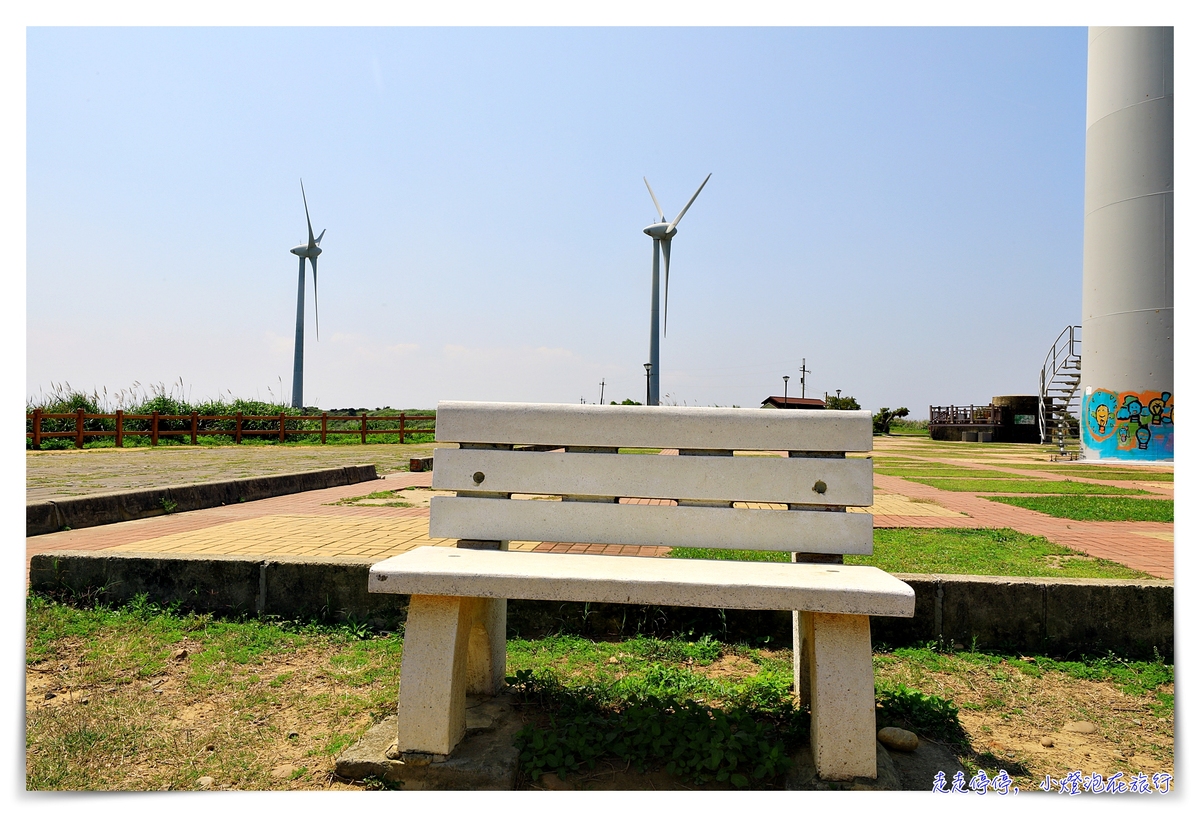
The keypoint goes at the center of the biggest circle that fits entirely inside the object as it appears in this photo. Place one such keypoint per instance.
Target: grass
(393, 495)
(1100, 472)
(1096, 508)
(979, 552)
(946, 471)
(269, 704)
(117, 710)
(1020, 486)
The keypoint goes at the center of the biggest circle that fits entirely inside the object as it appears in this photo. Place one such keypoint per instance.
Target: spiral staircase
(1058, 387)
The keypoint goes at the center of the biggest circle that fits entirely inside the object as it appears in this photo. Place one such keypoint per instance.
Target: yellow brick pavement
(315, 537)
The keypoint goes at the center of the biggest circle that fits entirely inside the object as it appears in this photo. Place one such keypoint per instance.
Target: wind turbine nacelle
(660, 230)
(305, 251)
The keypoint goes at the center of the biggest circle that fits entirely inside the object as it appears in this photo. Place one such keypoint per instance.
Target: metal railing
(964, 415)
(237, 426)
(1064, 351)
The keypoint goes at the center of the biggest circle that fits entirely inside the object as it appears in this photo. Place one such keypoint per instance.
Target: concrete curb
(1061, 617)
(104, 509)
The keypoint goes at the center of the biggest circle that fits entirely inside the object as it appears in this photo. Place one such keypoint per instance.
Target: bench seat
(817, 588)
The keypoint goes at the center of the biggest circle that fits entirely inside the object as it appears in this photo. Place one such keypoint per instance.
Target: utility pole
(602, 391)
(804, 370)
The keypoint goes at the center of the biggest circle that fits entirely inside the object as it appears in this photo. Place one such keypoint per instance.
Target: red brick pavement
(1117, 541)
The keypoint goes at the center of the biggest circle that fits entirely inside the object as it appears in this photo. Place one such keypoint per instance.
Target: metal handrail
(1056, 359)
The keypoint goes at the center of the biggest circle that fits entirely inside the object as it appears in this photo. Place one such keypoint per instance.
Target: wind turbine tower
(1128, 354)
(662, 233)
(310, 251)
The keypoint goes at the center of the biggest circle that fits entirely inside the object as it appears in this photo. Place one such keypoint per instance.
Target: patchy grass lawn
(114, 703)
(972, 551)
(137, 699)
(1102, 472)
(946, 471)
(1017, 485)
(1096, 508)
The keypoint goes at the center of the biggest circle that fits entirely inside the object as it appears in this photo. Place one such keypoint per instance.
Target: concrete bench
(455, 635)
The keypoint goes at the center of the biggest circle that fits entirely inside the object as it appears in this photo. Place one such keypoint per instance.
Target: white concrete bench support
(453, 645)
(841, 694)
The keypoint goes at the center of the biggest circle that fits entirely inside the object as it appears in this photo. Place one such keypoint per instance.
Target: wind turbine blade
(311, 242)
(657, 207)
(692, 199)
(316, 309)
(666, 248)
(318, 241)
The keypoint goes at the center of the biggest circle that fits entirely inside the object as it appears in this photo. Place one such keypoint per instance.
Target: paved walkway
(313, 525)
(55, 474)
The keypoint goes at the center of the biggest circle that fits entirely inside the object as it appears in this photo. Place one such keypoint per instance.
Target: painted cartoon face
(1156, 411)
(1135, 407)
(1123, 434)
(1101, 415)
(1143, 437)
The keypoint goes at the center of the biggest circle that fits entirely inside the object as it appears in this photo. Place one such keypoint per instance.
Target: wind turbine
(310, 251)
(662, 233)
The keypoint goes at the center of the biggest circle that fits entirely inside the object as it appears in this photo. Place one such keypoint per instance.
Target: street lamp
(647, 365)
(785, 380)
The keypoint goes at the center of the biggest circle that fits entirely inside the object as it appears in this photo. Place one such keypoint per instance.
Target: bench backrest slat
(653, 427)
(735, 479)
(614, 524)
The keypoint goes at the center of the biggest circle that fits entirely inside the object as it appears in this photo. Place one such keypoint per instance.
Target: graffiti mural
(1129, 425)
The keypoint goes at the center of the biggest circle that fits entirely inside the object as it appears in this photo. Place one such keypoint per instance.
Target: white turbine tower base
(662, 233)
(310, 251)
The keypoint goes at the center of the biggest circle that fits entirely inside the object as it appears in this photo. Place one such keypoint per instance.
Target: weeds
(175, 401)
(650, 722)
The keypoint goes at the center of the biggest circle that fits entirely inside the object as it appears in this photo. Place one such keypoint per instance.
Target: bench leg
(486, 651)
(800, 657)
(433, 672)
(842, 694)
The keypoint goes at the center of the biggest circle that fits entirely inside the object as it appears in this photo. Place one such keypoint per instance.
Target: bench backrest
(509, 452)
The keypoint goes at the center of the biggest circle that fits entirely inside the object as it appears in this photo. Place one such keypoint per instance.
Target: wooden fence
(202, 425)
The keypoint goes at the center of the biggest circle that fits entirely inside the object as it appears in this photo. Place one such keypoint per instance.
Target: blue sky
(900, 207)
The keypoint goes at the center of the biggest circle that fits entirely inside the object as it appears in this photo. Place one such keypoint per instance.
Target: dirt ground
(280, 724)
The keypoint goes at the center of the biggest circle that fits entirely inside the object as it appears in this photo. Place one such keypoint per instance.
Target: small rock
(553, 782)
(393, 751)
(958, 645)
(50, 695)
(205, 782)
(283, 771)
(1080, 727)
(293, 735)
(179, 654)
(613, 660)
(895, 738)
(1137, 722)
(1048, 742)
